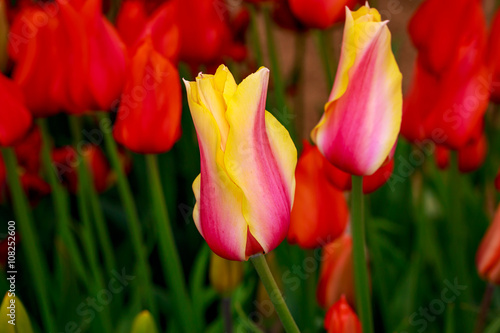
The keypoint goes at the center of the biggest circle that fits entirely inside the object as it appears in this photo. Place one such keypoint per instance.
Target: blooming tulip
(337, 273)
(362, 118)
(149, 115)
(244, 193)
(488, 254)
(320, 212)
(15, 119)
(341, 319)
(321, 13)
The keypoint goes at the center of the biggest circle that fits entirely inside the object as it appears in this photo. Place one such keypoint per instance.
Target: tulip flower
(488, 254)
(15, 119)
(244, 193)
(135, 23)
(74, 63)
(362, 118)
(148, 120)
(336, 275)
(225, 275)
(144, 322)
(320, 212)
(321, 14)
(452, 84)
(340, 318)
(66, 164)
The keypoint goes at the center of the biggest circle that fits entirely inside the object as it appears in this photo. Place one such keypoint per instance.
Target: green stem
(279, 86)
(84, 182)
(260, 263)
(30, 243)
(172, 268)
(227, 314)
(132, 216)
(326, 57)
(63, 216)
(458, 229)
(363, 302)
(485, 306)
(257, 48)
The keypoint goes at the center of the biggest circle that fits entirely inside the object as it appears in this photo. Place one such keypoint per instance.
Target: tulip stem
(227, 314)
(323, 46)
(30, 243)
(60, 200)
(363, 302)
(260, 263)
(171, 263)
(132, 216)
(83, 198)
(485, 305)
(255, 35)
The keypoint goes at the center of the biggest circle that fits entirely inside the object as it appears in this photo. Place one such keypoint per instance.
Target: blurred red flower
(320, 212)
(340, 318)
(321, 14)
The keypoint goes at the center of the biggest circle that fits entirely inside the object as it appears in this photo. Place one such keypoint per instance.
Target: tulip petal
(218, 200)
(259, 150)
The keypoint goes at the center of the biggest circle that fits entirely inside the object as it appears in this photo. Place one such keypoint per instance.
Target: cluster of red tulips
(99, 153)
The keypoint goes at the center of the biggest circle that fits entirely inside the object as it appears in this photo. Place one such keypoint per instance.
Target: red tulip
(342, 319)
(71, 61)
(442, 157)
(149, 115)
(437, 37)
(451, 85)
(135, 23)
(337, 275)
(321, 13)
(320, 212)
(66, 162)
(15, 119)
(488, 254)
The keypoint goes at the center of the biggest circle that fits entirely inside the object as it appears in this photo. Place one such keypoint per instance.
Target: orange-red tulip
(72, 60)
(340, 318)
(337, 273)
(149, 115)
(320, 212)
(321, 13)
(451, 87)
(15, 119)
(488, 254)
(494, 57)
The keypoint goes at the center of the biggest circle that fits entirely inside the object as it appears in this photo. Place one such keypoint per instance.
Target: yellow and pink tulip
(245, 190)
(362, 118)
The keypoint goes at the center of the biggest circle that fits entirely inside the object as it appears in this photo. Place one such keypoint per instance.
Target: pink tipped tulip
(362, 118)
(244, 193)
